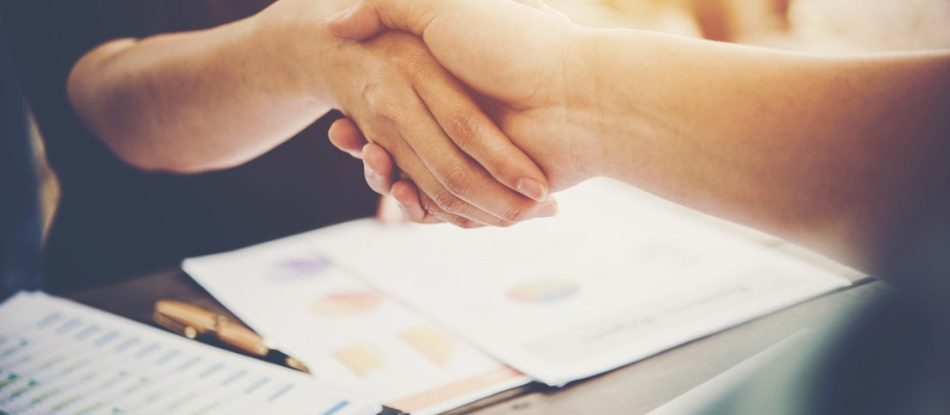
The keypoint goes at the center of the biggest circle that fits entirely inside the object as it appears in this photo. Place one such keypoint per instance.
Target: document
(347, 332)
(617, 277)
(60, 357)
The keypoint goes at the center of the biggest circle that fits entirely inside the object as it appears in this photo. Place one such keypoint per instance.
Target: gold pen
(196, 323)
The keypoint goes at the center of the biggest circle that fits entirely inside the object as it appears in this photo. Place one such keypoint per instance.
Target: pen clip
(174, 326)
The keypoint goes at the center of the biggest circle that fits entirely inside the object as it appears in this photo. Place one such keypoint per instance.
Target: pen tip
(296, 364)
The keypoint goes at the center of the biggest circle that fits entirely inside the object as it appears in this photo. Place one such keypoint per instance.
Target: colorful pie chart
(543, 290)
(305, 266)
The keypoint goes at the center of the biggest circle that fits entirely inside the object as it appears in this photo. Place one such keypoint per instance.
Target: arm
(847, 155)
(210, 99)
(174, 102)
(842, 154)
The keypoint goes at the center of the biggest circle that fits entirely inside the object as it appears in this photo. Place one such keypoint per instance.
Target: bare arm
(174, 102)
(839, 153)
(204, 100)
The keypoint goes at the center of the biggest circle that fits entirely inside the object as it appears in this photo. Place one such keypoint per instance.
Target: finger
(394, 120)
(435, 214)
(410, 199)
(389, 212)
(378, 168)
(413, 202)
(346, 136)
(413, 166)
(436, 199)
(408, 196)
(461, 186)
(478, 136)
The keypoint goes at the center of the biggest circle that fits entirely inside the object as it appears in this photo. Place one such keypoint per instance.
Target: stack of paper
(349, 333)
(617, 277)
(61, 357)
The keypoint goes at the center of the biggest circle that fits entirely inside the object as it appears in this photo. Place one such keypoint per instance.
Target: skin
(845, 154)
(197, 101)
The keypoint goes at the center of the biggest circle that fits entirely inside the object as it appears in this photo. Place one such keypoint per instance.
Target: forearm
(194, 101)
(840, 154)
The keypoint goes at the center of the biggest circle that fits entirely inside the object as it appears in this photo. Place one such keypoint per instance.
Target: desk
(633, 389)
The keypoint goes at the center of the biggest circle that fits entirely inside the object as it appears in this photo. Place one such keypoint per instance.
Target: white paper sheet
(60, 357)
(617, 277)
(348, 332)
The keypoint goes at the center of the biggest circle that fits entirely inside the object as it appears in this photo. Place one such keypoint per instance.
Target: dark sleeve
(115, 221)
(19, 211)
(47, 37)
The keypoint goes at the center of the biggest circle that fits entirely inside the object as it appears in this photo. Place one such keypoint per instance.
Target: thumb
(369, 17)
(356, 22)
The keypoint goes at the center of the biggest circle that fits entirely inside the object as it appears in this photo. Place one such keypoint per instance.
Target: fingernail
(532, 188)
(547, 210)
(370, 173)
(413, 211)
(405, 217)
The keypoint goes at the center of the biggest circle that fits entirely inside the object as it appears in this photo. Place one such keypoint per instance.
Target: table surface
(633, 389)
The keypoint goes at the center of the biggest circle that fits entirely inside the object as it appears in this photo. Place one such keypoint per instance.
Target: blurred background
(820, 26)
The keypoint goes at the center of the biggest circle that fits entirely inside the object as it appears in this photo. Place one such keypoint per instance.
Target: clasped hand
(466, 163)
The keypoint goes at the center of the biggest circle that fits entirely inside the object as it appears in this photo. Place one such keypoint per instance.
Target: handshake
(474, 111)
(490, 129)
(509, 101)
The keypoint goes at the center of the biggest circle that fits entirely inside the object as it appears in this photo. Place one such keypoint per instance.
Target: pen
(194, 323)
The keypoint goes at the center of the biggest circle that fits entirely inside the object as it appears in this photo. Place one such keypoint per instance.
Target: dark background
(114, 221)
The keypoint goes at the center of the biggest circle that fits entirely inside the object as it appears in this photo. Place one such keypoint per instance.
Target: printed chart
(348, 332)
(616, 277)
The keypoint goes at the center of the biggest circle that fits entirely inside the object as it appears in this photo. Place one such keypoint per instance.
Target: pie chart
(543, 290)
(300, 267)
(346, 303)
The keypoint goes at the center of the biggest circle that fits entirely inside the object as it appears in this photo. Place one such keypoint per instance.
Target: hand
(468, 172)
(522, 79)
(749, 134)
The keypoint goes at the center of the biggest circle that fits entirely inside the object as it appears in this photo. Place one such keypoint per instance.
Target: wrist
(296, 50)
(620, 90)
(584, 111)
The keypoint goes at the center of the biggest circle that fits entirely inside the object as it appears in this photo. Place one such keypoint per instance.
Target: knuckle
(456, 181)
(514, 213)
(448, 203)
(415, 63)
(464, 130)
(381, 104)
(409, 55)
(430, 207)
(427, 204)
